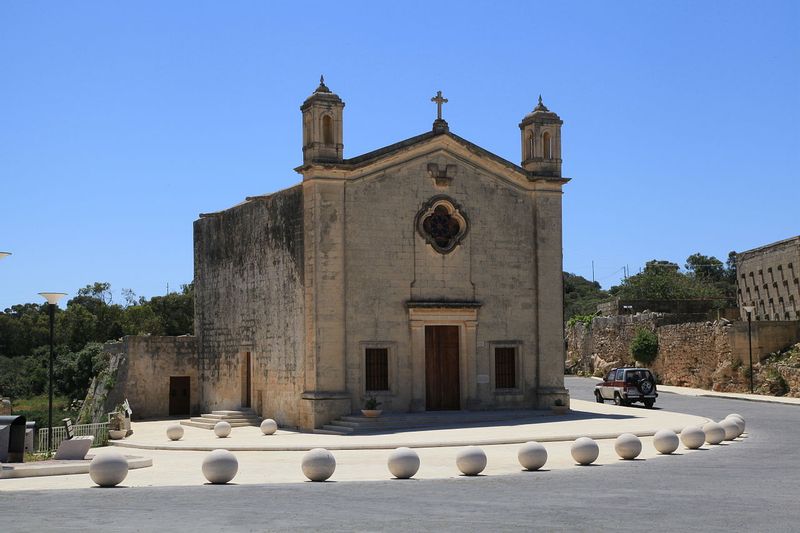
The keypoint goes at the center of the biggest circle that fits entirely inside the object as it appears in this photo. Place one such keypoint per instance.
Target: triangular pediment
(428, 146)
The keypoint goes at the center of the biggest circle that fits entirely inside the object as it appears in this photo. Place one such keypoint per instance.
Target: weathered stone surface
(709, 355)
(139, 370)
(291, 278)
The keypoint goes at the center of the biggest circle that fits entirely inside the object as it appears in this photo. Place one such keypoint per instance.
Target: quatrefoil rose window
(441, 224)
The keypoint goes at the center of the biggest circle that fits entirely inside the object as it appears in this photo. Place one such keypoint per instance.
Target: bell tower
(322, 126)
(541, 142)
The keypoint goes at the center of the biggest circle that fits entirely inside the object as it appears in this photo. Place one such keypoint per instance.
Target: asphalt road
(753, 485)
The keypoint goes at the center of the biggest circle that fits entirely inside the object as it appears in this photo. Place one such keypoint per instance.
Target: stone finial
(540, 106)
(322, 87)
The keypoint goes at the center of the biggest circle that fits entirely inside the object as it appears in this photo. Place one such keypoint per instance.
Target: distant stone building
(427, 274)
(768, 279)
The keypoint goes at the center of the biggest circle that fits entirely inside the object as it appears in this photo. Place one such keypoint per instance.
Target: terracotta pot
(371, 413)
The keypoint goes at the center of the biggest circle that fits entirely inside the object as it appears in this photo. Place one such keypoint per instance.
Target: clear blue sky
(120, 122)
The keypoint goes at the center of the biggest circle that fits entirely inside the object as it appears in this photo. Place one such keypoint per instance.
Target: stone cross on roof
(439, 101)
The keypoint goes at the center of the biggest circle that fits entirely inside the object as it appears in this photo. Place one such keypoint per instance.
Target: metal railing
(99, 430)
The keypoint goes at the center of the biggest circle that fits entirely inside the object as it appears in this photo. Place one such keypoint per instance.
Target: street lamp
(52, 299)
(4, 254)
(749, 310)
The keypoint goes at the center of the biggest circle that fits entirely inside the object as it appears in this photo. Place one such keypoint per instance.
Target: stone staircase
(358, 424)
(240, 418)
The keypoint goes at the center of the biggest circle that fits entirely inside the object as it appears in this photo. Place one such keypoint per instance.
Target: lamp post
(749, 310)
(52, 299)
(4, 254)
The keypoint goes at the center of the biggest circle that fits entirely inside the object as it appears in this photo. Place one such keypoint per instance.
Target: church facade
(426, 274)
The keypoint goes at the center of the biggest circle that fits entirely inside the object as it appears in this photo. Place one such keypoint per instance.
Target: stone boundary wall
(139, 369)
(709, 354)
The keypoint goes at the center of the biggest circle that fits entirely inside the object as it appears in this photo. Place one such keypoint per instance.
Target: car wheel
(618, 399)
(649, 403)
(645, 386)
(598, 397)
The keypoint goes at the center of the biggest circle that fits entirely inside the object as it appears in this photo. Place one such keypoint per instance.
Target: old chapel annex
(426, 273)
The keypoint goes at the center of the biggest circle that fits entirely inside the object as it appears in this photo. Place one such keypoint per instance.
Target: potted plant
(370, 409)
(116, 426)
(559, 407)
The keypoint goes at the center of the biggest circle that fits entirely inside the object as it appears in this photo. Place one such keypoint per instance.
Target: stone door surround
(463, 315)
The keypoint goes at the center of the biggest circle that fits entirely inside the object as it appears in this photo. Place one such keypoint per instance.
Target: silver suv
(627, 385)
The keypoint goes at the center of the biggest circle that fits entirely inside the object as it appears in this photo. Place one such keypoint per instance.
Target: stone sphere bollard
(585, 451)
(628, 446)
(532, 456)
(175, 432)
(318, 464)
(220, 466)
(730, 427)
(222, 429)
(108, 469)
(403, 463)
(739, 425)
(714, 433)
(471, 460)
(268, 426)
(666, 441)
(739, 420)
(693, 437)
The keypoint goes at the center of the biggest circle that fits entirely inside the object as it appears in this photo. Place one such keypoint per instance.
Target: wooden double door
(442, 389)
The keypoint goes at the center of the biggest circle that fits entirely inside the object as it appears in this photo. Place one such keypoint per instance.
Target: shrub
(644, 347)
(583, 319)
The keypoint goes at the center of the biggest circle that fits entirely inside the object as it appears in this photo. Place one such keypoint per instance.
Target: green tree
(644, 347)
(581, 296)
(705, 267)
(661, 280)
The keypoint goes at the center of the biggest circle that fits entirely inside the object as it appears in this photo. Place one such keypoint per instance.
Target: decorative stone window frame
(391, 348)
(454, 210)
(518, 366)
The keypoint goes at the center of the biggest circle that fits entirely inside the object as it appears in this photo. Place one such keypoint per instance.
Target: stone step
(328, 432)
(200, 425)
(197, 423)
(336, 427)
(243, 412)
(357, 424)
(231, 421)
(231, 417)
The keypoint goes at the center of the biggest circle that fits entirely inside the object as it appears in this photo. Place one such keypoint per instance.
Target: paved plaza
(747, 484)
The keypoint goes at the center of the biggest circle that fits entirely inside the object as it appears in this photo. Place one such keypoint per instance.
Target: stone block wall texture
(139, 370)
(709, 355)
(768, 278)
(249, 297)
(389, 263)
(306, 278)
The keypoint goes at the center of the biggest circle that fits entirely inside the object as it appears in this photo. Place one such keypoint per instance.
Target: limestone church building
(426, 274)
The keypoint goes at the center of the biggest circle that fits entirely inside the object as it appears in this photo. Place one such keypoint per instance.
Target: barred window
(376, 364)
(505, 367)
